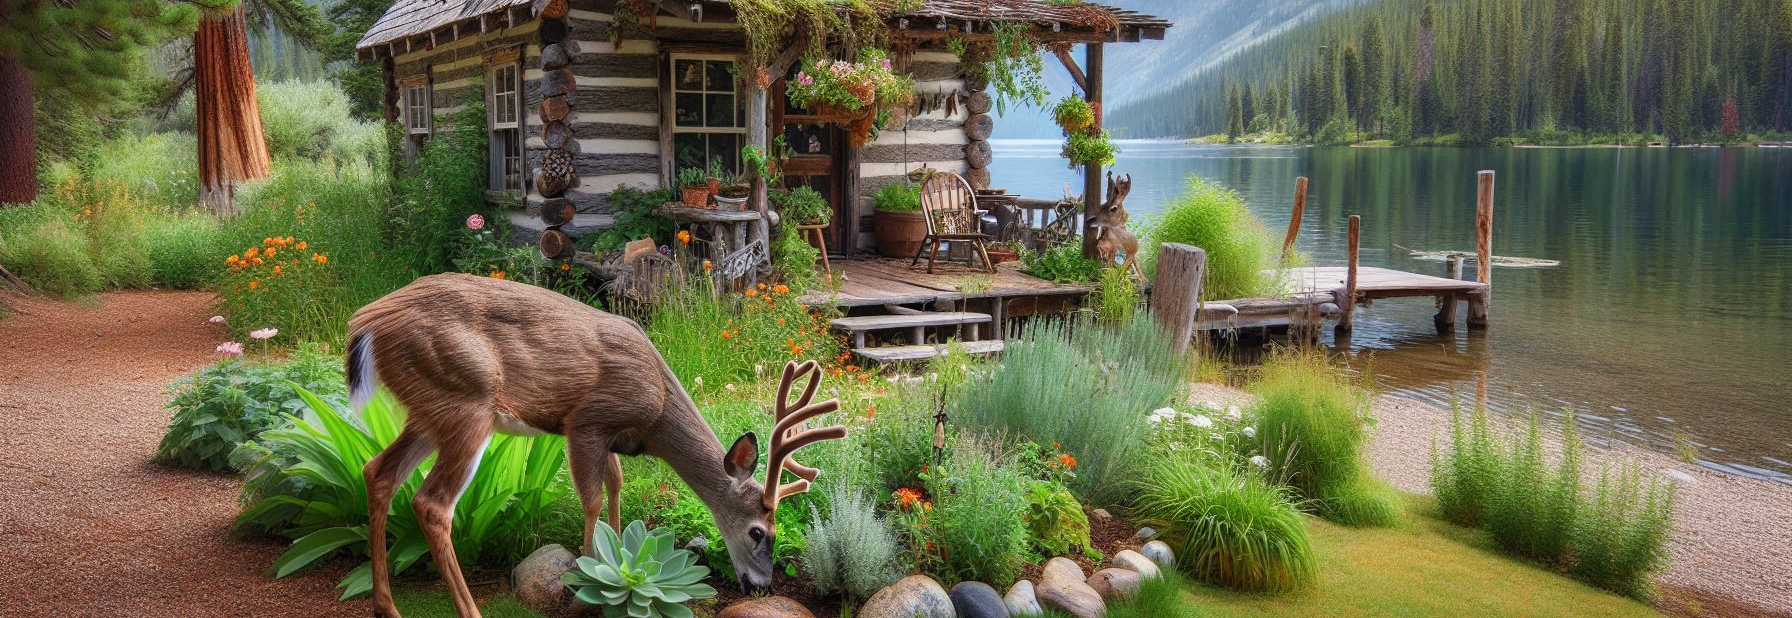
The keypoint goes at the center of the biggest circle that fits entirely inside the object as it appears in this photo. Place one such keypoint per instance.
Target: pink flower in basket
(885, 63)
(475, 222)
(805, 79)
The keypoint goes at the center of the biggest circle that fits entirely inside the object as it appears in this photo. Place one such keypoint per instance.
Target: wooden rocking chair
(949, 206)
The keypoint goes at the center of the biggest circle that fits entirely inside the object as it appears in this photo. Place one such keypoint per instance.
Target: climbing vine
(1009, 60)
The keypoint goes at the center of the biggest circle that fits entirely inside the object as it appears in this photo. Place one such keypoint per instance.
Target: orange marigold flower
(684, 236)
(271, 251)
(727, 335)
(907, 497)
(252, 252)
(852, 368)
(233, 259)
(258, 262)
(864, 377)
(277, 270)
(762, 286)
(254, 283)
(707, 265)
(782, 289)
(288, 241)
(267, 242)
(1069, 462)
(565, 266)
(301, 246)
(752, 293)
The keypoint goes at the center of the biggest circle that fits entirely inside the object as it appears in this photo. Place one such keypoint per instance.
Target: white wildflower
(1200, 420)
(1260, 461)
(728, 387)
(1232, 413)
(1250, 432)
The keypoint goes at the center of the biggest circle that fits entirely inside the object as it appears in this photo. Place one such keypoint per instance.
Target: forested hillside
(1475, 70)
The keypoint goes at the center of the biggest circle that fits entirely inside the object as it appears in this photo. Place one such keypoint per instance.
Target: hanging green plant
(1009, 60)
(1074, 114)
(1085, 148)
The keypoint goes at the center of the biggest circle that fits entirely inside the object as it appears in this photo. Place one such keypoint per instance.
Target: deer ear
(742, 458)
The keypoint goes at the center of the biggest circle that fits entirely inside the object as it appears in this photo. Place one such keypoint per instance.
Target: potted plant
(734, 191)
(802, 206)
(1084, 148)
(897, 223)
(693, 183)
(1004, 251)
(1074, 114)
(855, 92)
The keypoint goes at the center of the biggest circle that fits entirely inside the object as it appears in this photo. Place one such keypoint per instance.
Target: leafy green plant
(435, 192)
(794, 259)
(309, 120)
(1238, 247)
(692, 177)
(900, 196)
(1534, 512)
(1229, 527)
(1086, 148)
(1073, 113)
(513, 494)
(181, 249)
(639, 574)
(973, 529)
(1062, 263)
(637, 217)
(234, 401)
(1311, 425)
(1620, 540)
(1118, 296)
(802, 205)
(852, 550)
(50, 255)
(1056, 520)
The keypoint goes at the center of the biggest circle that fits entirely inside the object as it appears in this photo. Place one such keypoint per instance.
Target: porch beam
(1076, 72)
(1092, 172)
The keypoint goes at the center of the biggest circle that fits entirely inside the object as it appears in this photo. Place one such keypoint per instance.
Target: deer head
(749, 522)
(1112, 213)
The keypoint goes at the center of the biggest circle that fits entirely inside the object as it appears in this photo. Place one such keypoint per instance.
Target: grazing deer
(1114, 244)
(469, 356)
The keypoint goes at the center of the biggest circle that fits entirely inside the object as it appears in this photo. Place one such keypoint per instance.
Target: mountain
(1207, 32)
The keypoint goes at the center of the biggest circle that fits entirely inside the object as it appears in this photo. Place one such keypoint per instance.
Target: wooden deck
(881, 281)
(1315, 294)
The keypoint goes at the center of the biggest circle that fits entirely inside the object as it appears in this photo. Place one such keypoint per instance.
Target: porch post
(756, 136)
(1092, 171)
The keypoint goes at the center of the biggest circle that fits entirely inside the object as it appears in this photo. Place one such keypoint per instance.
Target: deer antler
(789, 434)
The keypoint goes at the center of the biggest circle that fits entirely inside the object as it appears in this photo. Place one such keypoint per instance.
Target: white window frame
(497, 102)
(418, 115)
(671, 106)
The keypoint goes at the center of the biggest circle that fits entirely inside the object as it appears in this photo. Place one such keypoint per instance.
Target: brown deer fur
(469, 356)
(1113, 240)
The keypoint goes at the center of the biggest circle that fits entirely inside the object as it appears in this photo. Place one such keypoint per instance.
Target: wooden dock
(882, 281)
(1315, 294)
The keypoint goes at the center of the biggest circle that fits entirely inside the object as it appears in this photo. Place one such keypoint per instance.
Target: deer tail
(362, 381)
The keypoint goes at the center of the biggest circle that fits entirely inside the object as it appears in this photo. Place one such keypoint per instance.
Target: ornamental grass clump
(851, 551)
(1239, 249)
(1311, 425)
(1229, 526)
(639, 574)
(969, 522)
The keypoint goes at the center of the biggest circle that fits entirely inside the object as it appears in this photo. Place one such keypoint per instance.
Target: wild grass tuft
(310, 120)
(49, 255)
(1311, 423)
(1229, 527)
(1621, 540)
(181, 249)
(1238, 247)
(851, 550)
(1158, 597)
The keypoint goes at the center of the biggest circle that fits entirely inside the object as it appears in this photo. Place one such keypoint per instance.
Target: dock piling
(1176, 292)
(1477, 304)
(1447, 302)
(1348, 302)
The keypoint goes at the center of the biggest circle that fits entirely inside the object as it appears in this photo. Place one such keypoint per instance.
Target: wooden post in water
(1176, 292)
(1477, 303)
(1446, 304)
(1300, 208)
(1348, 303)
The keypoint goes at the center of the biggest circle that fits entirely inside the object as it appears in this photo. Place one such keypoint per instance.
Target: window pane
(810, 139)
(720, 78)
(721, 110)
(689, 110)
(689, 149)
(688, 74)
(725, 147)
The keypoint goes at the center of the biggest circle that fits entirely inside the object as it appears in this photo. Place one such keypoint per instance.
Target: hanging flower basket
(852, 94)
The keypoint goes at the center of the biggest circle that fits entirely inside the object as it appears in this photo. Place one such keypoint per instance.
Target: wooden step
(887, 322)
(923, 352)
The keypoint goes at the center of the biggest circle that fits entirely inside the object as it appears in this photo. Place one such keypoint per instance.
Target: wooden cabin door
(819, 163)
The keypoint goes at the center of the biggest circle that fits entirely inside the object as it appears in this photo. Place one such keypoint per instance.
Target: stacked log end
(978, 126)
(556, 174)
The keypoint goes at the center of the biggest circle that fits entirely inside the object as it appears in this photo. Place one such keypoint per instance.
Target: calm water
(1669, 320)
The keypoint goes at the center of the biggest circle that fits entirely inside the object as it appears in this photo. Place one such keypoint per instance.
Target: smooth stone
(1146, 533)
(915, 596)
(1138, 563)
(1159, 552)
(1115, 583)
(977, 600)
(1062, 587)
(767, 607)
(1102, 514)
(1022, 601)
(697, 544)
(536, 580)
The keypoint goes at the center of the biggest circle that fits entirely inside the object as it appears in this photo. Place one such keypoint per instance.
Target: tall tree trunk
(18, 136)
(231, 146)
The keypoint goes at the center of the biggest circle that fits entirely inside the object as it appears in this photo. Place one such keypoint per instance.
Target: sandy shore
(1732, 542)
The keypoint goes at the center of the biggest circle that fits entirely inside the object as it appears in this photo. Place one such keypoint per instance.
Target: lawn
(1427, 567)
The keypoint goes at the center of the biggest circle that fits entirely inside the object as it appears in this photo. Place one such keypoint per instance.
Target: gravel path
(88, 526)
(1732, 543)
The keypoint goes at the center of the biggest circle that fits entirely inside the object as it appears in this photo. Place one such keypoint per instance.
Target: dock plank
(899, 353)
(886, 322)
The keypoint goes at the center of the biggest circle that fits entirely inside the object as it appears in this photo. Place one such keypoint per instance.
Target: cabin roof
(1080, 22)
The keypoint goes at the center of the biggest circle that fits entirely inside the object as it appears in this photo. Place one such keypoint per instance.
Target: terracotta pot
(898, 234)
(1002, 255)
(696, 197)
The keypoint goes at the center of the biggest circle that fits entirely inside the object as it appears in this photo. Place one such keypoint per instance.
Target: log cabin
(585, 95)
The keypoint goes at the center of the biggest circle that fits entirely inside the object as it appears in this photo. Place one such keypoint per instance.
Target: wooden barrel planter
(898, 234)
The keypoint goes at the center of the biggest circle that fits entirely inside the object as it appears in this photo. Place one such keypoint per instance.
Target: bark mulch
(88, 525)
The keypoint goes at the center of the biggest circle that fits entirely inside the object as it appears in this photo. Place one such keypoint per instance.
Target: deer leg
(613, 487)
(456, 461)
(385, 473)
(593, 466)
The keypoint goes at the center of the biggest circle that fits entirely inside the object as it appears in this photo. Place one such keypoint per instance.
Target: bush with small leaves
(852, 550)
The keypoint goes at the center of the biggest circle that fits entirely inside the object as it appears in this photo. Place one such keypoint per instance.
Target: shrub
(51, 256)
(1228, 527)
(852, 550)
(901, 196)
(1466, 475)
(160, 168)
(1621, 539)
(1063, 263)
(1532, 514)
(434, 193)
(180, 248)
(1311, 424)
(310, 120)
(638, 574)
(1056, 520)
(637, 216)
(794, 258)
(1085, 386)
(1238, 247)
(973, 529)
(514, 491)
(234, 401)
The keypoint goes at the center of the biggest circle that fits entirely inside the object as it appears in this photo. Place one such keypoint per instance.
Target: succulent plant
(639, 574)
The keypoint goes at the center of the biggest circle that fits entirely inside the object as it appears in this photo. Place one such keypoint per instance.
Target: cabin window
(416, 108)
(708, 116)
(504, 105)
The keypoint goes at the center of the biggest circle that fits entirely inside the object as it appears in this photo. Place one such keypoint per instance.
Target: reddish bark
(231, 146)
(18, 134)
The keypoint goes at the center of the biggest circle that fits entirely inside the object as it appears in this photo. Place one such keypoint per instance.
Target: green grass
(433, 602)
(1424, 568)
(1311, 425)
(1214, 218)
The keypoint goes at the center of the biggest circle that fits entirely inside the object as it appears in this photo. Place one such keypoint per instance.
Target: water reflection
(1670, 318)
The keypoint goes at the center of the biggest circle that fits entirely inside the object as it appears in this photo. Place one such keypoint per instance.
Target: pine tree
(1234, 114)
(1375, 74)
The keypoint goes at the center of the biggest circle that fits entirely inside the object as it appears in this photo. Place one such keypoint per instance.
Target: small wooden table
(818, 230)
(740, 238)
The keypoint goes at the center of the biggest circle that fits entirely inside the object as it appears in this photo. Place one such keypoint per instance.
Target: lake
(1668, 323)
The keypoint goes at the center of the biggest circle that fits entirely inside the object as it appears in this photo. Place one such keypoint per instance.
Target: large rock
(1062, 587)
(1021, 600)
(977, 600)
(536, 581)
(767, 607)
(1135, 561)
(1112, 583)
(914, 596)
(1159, 552)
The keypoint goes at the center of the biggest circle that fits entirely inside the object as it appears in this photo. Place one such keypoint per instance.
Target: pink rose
(475, 222)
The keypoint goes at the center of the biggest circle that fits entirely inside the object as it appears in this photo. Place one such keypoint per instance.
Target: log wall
(935, 139)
